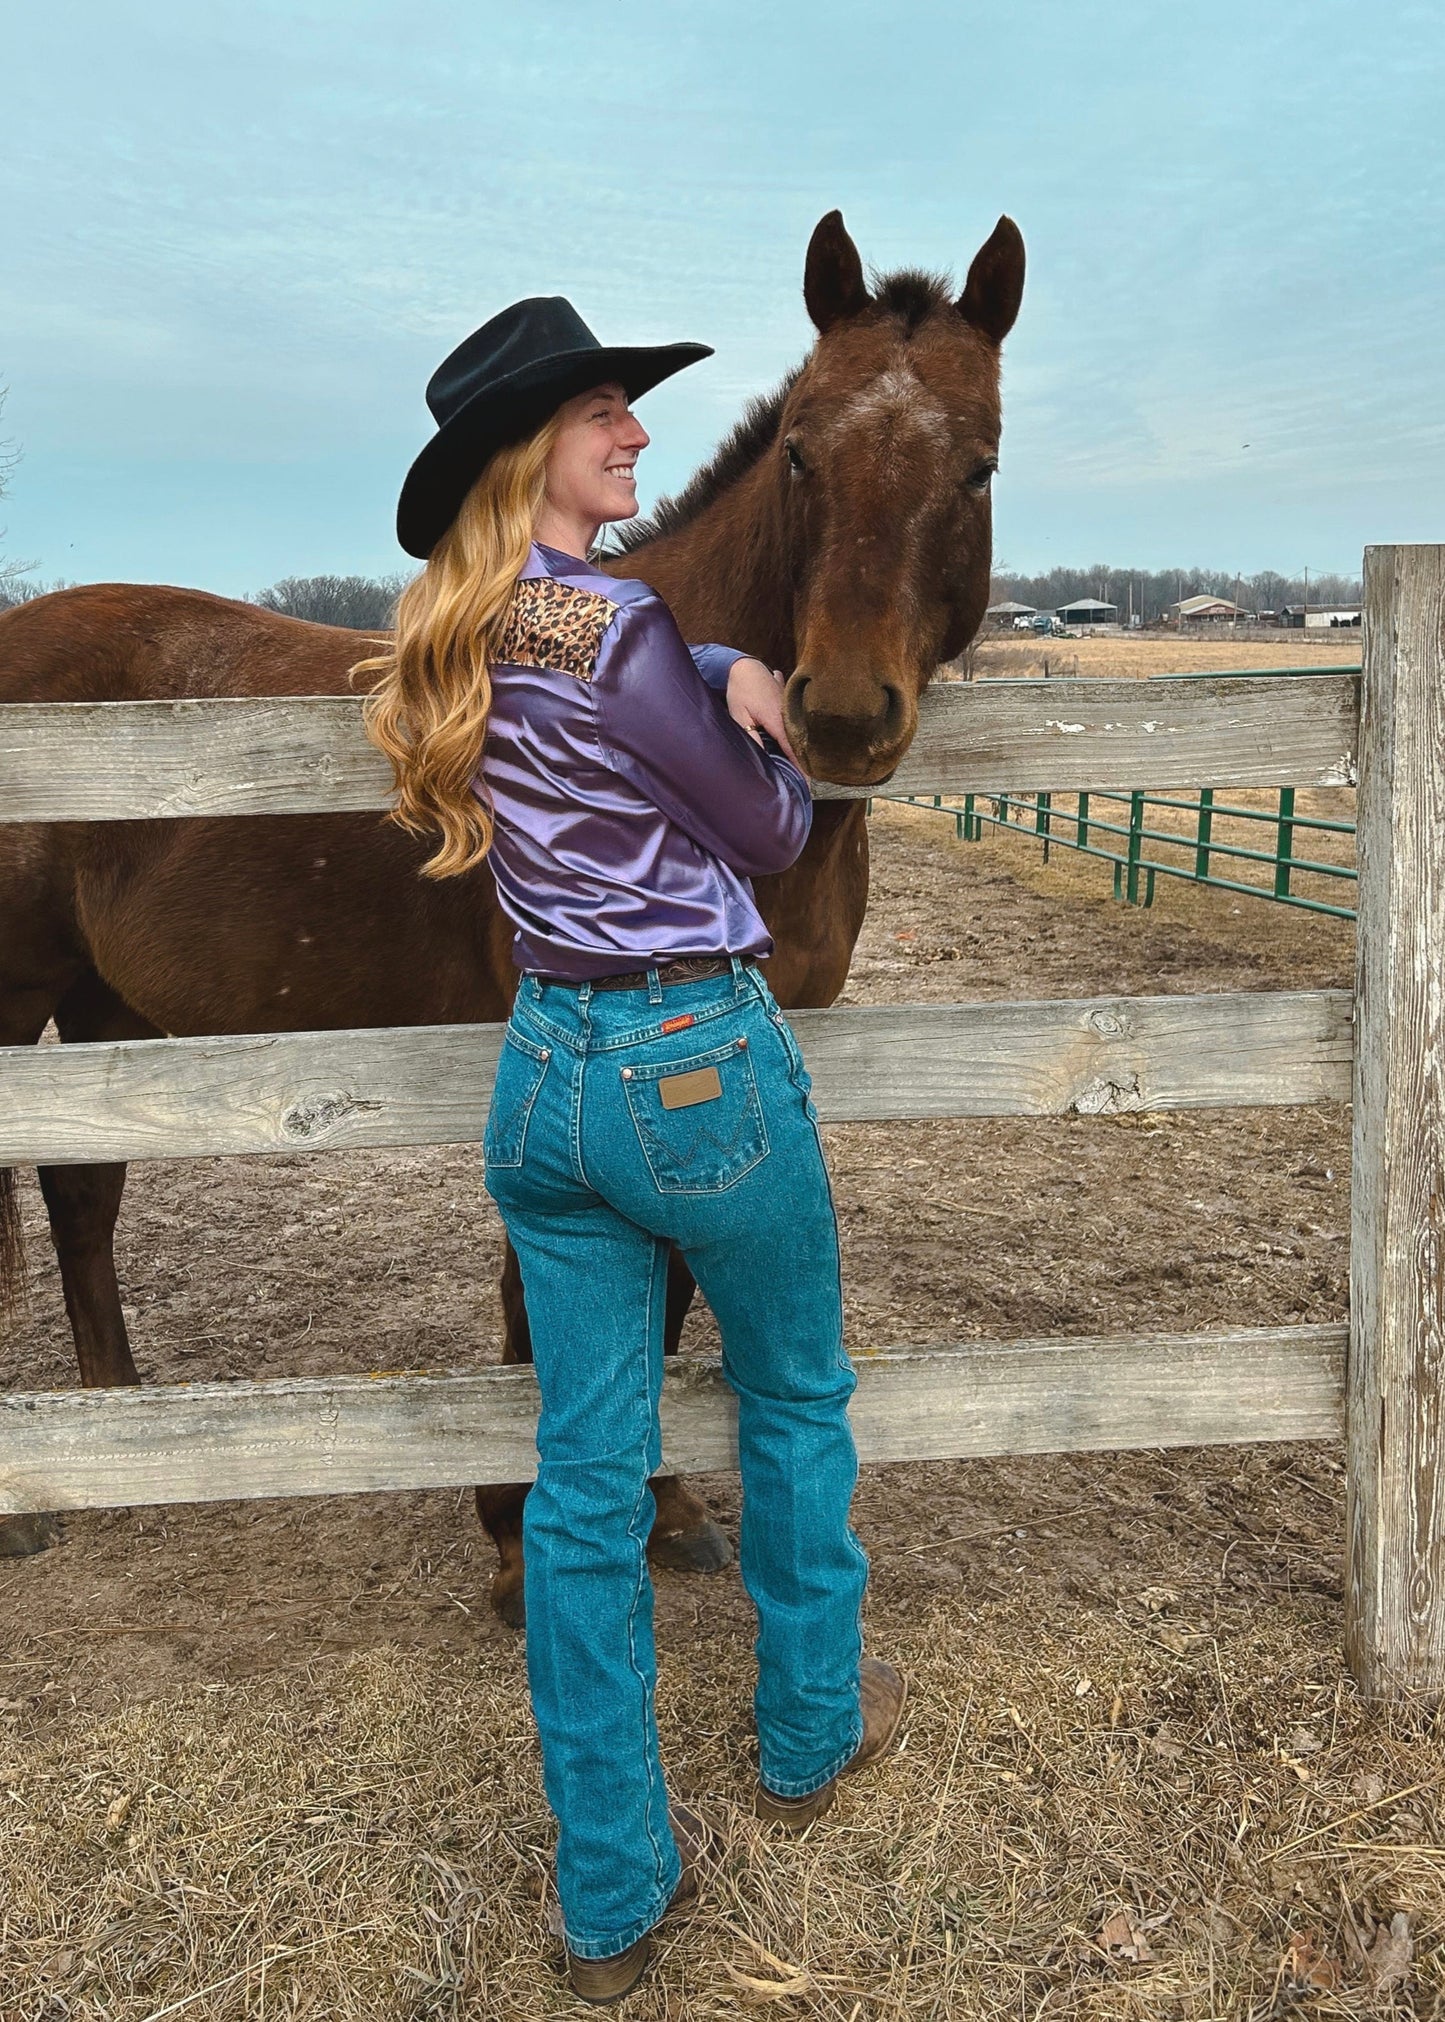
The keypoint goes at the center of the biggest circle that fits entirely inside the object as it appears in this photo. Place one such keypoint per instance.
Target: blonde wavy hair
(427, 709)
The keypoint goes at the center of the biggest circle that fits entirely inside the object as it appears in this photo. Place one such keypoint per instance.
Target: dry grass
(1167, 1807)
(1129, 656)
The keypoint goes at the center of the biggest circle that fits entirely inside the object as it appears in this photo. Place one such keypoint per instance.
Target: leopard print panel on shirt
(554, 625)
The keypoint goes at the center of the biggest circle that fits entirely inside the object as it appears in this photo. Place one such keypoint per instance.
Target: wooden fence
(320, 1091)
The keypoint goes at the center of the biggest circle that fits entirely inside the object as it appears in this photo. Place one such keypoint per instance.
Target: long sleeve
(672, 738)
(715, 663)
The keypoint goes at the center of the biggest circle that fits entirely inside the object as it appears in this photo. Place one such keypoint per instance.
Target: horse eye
(794, 456)
(981, 476)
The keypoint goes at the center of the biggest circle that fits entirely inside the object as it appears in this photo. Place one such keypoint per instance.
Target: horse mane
(735, 455)
(910, 296)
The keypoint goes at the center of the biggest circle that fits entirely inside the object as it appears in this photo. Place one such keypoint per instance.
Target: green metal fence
(1116, 827)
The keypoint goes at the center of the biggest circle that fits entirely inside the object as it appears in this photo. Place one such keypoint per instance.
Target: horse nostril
(892, 713)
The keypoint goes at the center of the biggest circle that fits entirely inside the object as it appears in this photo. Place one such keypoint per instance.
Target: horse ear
(995, 284)
(833, 285)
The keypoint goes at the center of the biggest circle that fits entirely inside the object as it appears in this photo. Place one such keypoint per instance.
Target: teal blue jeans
(622, 1122)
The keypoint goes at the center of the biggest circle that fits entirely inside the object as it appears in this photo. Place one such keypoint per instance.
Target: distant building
(1207, 610)
(1004, 615)
(1085, 612)
(1319, 617)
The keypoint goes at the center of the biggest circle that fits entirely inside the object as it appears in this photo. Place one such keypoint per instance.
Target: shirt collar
(544, 561)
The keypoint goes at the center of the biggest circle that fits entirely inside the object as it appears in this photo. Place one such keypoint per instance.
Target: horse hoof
(20, 1536)
(701, 1548)
(509, 1604)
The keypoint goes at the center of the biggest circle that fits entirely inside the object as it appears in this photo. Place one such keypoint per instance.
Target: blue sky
(239, 237)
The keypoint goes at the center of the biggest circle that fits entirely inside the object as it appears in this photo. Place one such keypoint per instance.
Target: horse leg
(83, 1202)
(684, 1536)
(24, 1014)
(499, 1505)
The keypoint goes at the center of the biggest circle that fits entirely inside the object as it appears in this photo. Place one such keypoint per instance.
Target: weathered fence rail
(130, 761)
(322, 1091)
(212, 1442)
(429, 1084)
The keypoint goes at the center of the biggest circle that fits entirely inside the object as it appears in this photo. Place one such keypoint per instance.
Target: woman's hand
(755, 701)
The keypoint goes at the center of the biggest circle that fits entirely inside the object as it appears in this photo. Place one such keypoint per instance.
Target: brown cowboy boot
(882, 1692)
(603, 1981)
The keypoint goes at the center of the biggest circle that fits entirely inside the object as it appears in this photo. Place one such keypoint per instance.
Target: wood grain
(212, 1442)
(124, 761)
(429, 1084)
(127, 761)
(1395, 1587)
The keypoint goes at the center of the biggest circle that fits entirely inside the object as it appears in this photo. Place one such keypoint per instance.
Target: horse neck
(727, 574)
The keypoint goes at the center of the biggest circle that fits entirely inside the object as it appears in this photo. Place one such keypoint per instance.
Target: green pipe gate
(1127, 832)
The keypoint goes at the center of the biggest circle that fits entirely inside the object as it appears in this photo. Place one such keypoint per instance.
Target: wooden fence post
(1395, 1393)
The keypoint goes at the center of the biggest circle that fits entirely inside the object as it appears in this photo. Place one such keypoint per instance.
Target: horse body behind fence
(843, 532)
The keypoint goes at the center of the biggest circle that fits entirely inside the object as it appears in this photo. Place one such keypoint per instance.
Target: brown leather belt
(683, 969)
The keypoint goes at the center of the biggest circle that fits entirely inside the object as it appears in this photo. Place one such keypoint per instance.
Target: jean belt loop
(654, 985)
(740, 976)
(584, 995)
(534, 988)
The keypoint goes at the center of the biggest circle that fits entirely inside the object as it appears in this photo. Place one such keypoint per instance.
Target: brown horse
(843, 530)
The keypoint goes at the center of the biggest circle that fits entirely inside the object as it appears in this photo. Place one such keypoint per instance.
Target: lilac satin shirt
(630, 810)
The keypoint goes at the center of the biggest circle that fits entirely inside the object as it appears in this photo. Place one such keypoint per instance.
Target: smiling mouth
(622, 470)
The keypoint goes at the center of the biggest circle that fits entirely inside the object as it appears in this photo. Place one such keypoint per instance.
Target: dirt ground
(273, 1759)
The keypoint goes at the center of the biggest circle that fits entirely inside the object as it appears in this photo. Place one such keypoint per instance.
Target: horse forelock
(911, 296)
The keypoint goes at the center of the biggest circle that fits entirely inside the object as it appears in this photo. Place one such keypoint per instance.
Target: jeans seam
(642, 1573)
(645, 1033)
(609, 1947)
(792, 1788)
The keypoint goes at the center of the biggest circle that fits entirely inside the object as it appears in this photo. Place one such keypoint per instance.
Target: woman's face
(589, 469)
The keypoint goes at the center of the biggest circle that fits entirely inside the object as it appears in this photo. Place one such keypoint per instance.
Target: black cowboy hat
(501, 383)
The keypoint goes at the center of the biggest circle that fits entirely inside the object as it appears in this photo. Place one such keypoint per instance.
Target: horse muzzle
(855, 746)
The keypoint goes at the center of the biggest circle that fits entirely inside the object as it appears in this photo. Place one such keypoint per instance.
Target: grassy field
(1128, 656)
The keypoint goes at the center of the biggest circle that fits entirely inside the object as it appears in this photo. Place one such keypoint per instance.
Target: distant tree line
(1150, 592)
(18, 588)
(368, 603)
(365, 603)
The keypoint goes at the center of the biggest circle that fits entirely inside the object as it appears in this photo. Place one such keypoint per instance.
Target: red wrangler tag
(677, 1024)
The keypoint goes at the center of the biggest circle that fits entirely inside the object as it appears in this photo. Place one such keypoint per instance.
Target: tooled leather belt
(682, 969)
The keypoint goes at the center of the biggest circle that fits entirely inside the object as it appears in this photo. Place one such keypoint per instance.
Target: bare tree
(10, 571)
(362, 603)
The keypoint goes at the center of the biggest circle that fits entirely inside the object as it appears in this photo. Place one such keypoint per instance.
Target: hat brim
(513, 407)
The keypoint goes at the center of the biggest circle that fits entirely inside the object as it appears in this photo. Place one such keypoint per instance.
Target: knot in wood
(1109, 1096)
(315, 1115)
(1113, 1024)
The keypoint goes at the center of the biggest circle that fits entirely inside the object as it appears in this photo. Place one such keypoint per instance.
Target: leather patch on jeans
(681, 1091)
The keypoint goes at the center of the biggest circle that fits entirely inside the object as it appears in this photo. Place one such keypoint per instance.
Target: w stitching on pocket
(707, 1146)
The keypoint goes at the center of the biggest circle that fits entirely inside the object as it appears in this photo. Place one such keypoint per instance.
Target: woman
(649, 1092)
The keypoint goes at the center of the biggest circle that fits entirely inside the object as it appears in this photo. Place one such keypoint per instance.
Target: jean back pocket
(521, 1069)
(698, 1120)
